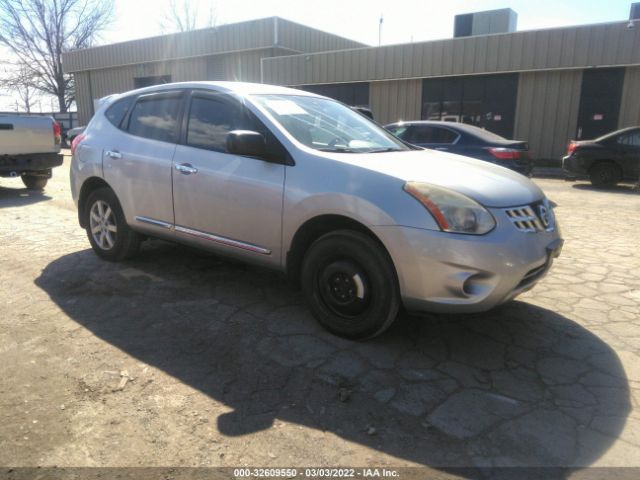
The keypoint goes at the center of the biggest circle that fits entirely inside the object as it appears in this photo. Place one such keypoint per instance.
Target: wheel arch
(605, 161)
(90, 185)
(314, 228)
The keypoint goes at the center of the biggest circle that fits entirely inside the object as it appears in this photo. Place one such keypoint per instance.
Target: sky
(404, 20)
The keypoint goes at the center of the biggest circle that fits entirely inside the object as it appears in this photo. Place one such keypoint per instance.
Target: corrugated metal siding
(547, 111)
(243, 66)
(117, 80)
(237, 66)
(573, 47)
(395, 100)
(306, 39)
(237, 37)
(83, 97)
(226, 38)
(630, 105)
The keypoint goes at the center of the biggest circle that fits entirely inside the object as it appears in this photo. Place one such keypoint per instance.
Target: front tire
(107, 230)
(33, 182)
(604, 175)
(350, 284)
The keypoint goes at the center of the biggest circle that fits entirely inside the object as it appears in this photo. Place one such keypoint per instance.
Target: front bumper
(454, 273)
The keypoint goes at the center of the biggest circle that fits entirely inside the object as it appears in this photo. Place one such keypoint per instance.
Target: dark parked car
(606, 160)
(468, 140)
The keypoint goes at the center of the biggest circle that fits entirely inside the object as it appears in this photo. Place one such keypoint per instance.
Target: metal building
(544, 86)
(228, 52)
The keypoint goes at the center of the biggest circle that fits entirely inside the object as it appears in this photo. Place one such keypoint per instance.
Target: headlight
(453, 211)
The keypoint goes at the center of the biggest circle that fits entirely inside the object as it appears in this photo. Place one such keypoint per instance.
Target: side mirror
(246, 143)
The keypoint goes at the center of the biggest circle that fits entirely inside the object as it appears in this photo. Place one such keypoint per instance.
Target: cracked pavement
(181, 358)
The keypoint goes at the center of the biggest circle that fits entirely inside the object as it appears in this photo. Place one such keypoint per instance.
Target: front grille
(537, 217)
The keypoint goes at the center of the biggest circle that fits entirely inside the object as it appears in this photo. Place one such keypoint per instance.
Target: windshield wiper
(383, 150)
(338, 150)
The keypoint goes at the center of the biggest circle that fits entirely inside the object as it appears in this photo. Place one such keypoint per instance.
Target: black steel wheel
(604, 175)
(350, 284)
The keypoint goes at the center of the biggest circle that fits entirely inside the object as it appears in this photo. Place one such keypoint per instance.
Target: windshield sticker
(286, 107)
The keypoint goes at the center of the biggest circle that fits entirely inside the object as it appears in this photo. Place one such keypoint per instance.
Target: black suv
(606, 160)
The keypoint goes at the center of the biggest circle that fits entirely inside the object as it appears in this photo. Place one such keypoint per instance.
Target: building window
(354, 94)
(487, 101)
(142, 82)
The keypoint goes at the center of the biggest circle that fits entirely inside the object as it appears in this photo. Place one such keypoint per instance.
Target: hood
(488, 184)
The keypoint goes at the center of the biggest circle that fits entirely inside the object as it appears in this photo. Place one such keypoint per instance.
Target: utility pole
(380, 30)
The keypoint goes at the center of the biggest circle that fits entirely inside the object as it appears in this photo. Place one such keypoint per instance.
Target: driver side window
(210, 120)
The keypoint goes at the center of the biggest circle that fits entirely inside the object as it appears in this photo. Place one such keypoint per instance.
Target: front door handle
(113, 154)
(186, 168)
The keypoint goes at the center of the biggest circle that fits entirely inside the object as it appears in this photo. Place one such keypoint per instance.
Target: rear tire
(33, 182)
(110, 236)
(350, 283)
(604, 175)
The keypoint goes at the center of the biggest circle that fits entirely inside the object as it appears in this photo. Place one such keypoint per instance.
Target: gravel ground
(181, 358)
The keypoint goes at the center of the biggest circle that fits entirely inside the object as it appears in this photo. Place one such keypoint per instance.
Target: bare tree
(38, 32)
(19, 81)
(184, 16)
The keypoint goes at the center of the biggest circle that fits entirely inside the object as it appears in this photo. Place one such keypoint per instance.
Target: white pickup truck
(29, 148)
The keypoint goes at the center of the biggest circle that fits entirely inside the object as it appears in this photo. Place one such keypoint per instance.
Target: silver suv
(305, 185)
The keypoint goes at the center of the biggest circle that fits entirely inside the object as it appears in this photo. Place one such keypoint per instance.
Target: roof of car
(616, 132)
(460, 127)
(242, 88)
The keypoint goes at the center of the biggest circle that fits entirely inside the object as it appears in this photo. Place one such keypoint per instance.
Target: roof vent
(503, 20)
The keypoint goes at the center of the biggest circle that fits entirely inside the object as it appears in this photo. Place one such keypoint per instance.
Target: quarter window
(156, 118)
(116, 112)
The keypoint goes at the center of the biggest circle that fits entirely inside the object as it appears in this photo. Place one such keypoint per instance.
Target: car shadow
(520, 385)
(18, 197)
(625, 188)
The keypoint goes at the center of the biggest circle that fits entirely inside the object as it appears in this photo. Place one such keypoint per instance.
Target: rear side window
(428, 134)
(156, 117)
(210, 120)
(632, 138)
(116, 112)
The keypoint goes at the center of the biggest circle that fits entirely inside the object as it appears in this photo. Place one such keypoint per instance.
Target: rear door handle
(113, 154)
(186, 168)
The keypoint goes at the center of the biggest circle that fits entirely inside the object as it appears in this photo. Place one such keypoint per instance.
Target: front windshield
(327, 125)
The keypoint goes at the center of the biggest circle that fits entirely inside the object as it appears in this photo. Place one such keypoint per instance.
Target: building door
(599, 102)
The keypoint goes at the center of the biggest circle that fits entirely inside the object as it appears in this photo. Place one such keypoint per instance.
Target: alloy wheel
(103, 225)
